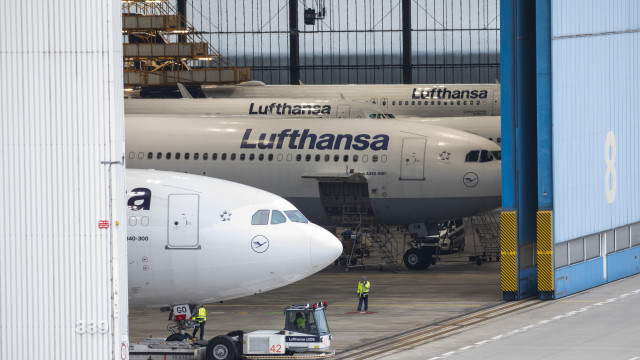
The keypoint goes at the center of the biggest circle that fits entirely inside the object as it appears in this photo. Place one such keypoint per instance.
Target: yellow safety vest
(363, 288)
(202, 315)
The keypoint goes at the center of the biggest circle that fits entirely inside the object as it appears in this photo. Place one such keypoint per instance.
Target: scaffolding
(160, 48)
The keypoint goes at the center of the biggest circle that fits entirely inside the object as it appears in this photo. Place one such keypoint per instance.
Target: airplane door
(182, 222)
(412, 167)
(344, 112)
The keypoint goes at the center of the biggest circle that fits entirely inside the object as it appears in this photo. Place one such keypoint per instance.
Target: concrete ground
(398, 301)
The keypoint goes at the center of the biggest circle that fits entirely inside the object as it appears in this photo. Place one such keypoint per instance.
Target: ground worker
(300, 322)
(363, 294)
(200, 320)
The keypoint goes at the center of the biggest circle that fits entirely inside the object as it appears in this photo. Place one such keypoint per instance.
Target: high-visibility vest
(202, 315)
(363, 288)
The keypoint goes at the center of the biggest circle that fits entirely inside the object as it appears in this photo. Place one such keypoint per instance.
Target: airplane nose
(325, 247)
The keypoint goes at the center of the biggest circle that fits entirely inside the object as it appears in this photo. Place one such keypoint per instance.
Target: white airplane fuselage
(408, 100)
(271, 107)
(392, 171)
(194, 239)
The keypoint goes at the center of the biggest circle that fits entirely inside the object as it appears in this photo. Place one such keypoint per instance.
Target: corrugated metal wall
(62, 278)
(596, 115)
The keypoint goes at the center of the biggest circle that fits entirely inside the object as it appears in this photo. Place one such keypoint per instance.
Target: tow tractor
(305, 336)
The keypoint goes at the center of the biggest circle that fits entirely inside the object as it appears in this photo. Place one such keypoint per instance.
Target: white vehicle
(195, 239)
(408, 100)
(305, 336)
(334, 171)
(330, 108)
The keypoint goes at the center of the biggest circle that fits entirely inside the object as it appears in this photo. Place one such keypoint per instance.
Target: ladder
(486, 229)
(383, 240)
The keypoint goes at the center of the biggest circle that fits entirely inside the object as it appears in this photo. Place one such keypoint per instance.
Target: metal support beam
(294, 44)
(182, 12)
(406, 42)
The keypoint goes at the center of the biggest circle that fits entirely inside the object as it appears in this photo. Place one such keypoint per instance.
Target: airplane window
(289, 157)
(261, 157)
(458, 102)
(177, 156)
(383, 158)
(445, 103)
(472, 156)
(186, 156)
(438, 102)
(345, 158)
(159, 156)
(499, 140)
(270, 157)
(419, 102)
(374, 158)
(372, 116)
(132, 155)
(205, 156)
(279, 157)
(451, 103)
(223, 156)
(140, 155)
(393, 102)
(317, 157)
(336, 157)
(296, 216)
(196, 156)
(485, 156)
(251, 157)
(242, 157)
(399, 103)
(413, 103)
(307, 158)
(277, 217)
(355, 158)
(373, 101)
(432, 102)
(298, 157)
(233, 156)
(261, 217)
(168, 156)
(465, 102)
(150, 155)
(497, 154)
(406, 102)
(327, 157)
(384, 103)
(478, 102)
(365, 158)
(214, 156)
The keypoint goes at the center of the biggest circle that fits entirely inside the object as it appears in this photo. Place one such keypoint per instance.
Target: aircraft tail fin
(184, 92)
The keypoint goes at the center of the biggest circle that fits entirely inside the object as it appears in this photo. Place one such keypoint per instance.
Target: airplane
(488, 127)
(376, 171)
(266, 107)
(194, 239)
(409, 100)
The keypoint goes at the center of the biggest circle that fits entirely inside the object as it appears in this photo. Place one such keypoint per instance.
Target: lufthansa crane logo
(259, 244)
(470, 179)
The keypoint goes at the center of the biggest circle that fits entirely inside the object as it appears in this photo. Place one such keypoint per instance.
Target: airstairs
(379, 238)
(486, 235)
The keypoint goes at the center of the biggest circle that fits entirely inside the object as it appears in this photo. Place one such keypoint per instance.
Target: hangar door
(182, 223)
(412, 167)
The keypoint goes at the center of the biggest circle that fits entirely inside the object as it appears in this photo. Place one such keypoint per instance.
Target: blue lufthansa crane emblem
(259, 244)
(470, 179)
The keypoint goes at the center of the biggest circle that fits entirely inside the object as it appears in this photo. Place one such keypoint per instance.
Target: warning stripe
(544, 220)
(508, 254)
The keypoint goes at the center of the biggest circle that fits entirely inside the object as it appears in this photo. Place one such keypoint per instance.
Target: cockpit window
(497, 154)
(472, 156)
(277, 217)
(485, 156)
(261, 217)
(296, 216)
